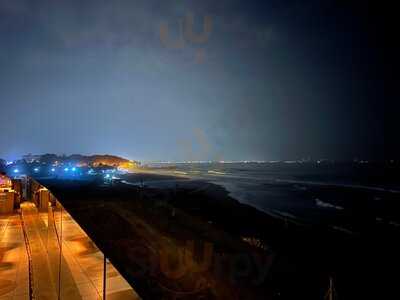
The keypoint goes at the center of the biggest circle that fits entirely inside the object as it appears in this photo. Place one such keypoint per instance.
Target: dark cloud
(270, 80)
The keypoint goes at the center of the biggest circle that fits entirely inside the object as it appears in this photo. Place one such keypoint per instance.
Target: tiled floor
(86, 262)
(81, 273)
(14, 280)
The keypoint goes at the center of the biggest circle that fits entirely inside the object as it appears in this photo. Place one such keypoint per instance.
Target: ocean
(350, 197)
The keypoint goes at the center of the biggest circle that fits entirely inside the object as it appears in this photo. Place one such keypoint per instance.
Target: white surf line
(130, 183)
(355, 186)
(323, 204)
(216, 172)
(180, 173)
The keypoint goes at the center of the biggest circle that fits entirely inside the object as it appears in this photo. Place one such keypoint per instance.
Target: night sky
(270, 80)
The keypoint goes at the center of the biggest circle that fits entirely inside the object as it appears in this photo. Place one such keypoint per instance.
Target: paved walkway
(73, 270)
(86, 262)
(14, 278)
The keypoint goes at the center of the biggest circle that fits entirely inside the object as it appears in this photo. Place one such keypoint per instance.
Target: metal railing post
(104, 277)
(60, 258)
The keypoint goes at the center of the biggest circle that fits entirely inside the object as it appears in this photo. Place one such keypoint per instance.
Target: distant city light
(36, 170)
(16, 171)
(53, 170)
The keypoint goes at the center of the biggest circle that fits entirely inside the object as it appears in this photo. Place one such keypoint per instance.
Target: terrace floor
(72, 269)
(14, 276)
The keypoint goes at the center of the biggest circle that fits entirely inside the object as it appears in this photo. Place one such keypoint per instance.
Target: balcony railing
(64, 262)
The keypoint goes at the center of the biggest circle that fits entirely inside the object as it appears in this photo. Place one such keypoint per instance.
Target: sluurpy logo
(198, 146)
(187, 35)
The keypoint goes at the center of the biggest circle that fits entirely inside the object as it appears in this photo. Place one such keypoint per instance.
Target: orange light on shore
(5, 182)
(128, 166)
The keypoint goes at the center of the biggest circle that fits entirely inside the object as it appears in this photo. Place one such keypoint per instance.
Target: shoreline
(274, 214)
(315, 194)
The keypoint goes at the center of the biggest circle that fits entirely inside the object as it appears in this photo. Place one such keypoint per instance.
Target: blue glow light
(66, 169)
(36, 170)
(53, 170)
(16, 171)
(73, 169)
(107, 176)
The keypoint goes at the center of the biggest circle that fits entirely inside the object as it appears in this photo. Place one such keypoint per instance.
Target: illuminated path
(75, 274)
